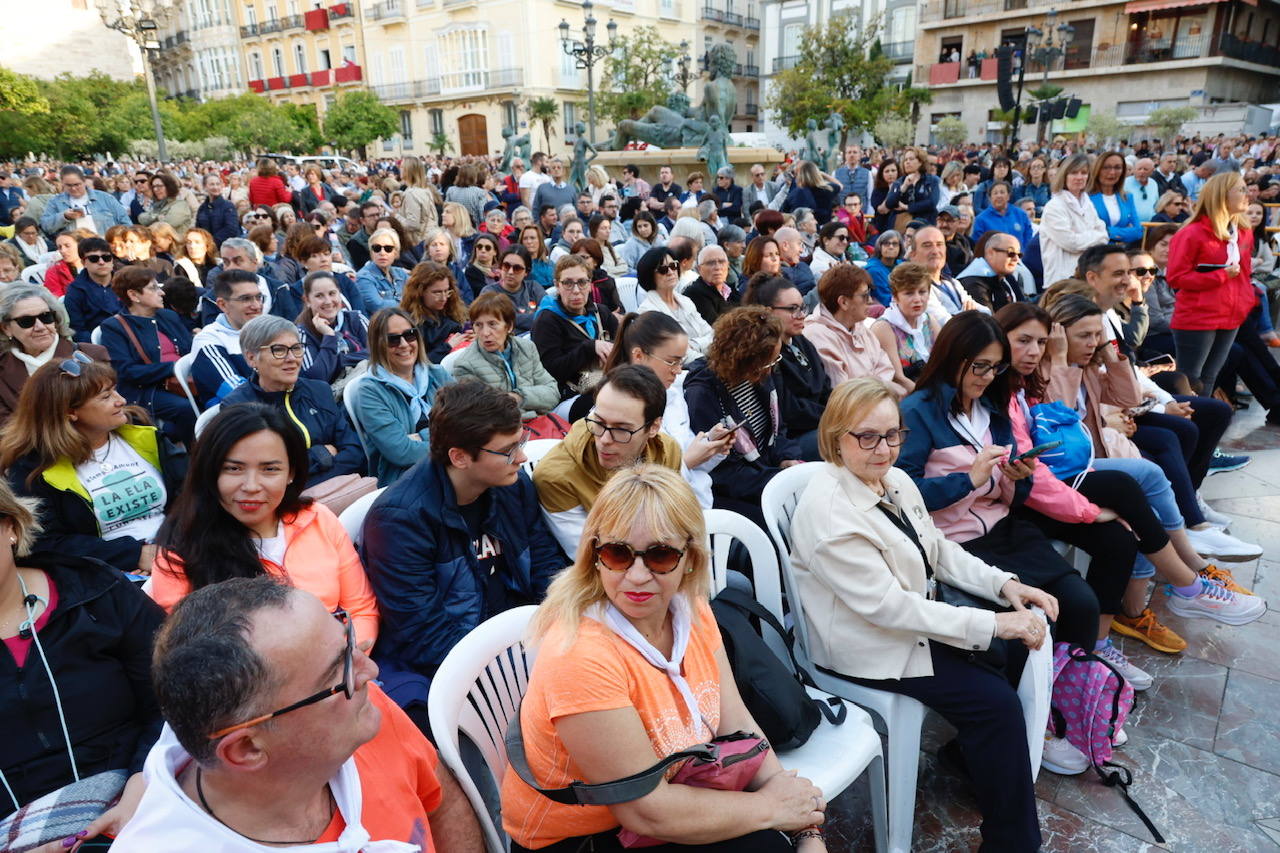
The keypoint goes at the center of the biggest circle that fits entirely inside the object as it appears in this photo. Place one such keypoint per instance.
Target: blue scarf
(587, 320)
(507, 355)
(415, 394)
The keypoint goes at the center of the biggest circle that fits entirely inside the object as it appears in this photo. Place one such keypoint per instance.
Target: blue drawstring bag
(1059, 422)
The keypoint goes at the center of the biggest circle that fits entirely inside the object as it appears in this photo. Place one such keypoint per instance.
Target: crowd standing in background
(205, 363)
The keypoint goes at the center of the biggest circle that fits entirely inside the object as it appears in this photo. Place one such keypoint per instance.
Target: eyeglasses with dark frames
(347, 687)
(619, 435)
(792, 310)
(871, 440)
(575, 283)
(619, 557)
(29, 320)
(510, 455)
(279, 351)
(982, 368)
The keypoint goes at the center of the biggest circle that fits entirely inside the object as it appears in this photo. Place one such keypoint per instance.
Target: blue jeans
(1155, 485)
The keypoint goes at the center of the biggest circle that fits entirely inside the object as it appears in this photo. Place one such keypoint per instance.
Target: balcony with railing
(292, 22)
(348, 74)
(898, 50)
(1249, 51)
(387, 12)
(751, 23)
(277, 83)
(784, 63)
(268, 27)
(940, 10)
(176, 40)
(249, 31)
(258, 86)
(297, 81)
(711, 13)
(317, 20)
(733, 19)
(323, 77)
(752, 110)
(341, 13)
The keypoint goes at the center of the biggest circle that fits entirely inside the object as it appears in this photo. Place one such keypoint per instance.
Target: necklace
(205, 804)
(103, 465)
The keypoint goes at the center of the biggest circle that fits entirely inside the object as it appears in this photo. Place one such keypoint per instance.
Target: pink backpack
(1091, 700)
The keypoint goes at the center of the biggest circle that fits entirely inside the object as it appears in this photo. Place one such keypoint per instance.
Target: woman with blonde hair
(418, 206)
(380, 281)
(1172, 206)
(815, 191)
(457, 221)
(1210, 305)
(952, 179)
(598, 184)
(165, 242)
(431, 299)
(1070, 223)
(631, 667)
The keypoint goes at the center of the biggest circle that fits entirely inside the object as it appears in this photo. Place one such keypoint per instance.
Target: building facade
(199, 56)
(1124, 57)
(64, 36)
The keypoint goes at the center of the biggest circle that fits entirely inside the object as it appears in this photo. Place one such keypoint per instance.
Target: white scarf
(33, 253)
(35, 362)
(919, 334)
(681, 628)
(1233, 244)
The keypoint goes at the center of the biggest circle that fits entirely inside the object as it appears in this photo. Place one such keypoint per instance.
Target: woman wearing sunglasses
(395, 398)
(380, 281)
(960, 452)
(33, 332)
(241, 513)
(868, 558)
(657, 273)
(832, 248)
(104, 484)
(631, 666)
(482, 269)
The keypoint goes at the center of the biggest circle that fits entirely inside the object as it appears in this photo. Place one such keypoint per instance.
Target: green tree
(840, 69)
(894, 131)
(440, 143)
(1168, 121)
(19, 94)
(1105, 127)
(637, 75)
(951, 131)
(545, 111)
(357, 119)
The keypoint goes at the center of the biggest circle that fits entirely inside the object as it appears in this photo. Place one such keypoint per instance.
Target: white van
(328, 162)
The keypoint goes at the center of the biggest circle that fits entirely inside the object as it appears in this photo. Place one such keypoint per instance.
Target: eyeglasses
(99, 259)
(506, 267)
(245, 299)
(409, 336)
(140, 180)
(346, 687)
(383, 249)
(279, 351)
(1144, 271)
(982, 368)
(793, 310)
(1013, 253)
(72, 366)
(510, 455)
(26, 322)
(844, 238)
(667, 268)
(619, 557)
(619, 435)
(575, 284)
(871, 440)
(673, 363)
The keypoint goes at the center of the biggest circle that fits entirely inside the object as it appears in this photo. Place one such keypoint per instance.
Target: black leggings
(764, 841)
(1118, 491)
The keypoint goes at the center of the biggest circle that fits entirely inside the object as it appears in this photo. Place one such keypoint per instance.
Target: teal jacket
(386, 423)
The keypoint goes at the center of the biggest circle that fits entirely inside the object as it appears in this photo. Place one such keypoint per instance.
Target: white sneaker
(1121, 738)
(1062, 758)
(1220, 603)
(1211, 515)
(1212, 542)
(1139, 679)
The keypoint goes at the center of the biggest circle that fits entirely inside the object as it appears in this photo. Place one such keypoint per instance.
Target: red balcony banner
(275, 83)
(941, 73)
(257, 86)
(347, 74)
(321, 78)
(317, 20)
(298, 80)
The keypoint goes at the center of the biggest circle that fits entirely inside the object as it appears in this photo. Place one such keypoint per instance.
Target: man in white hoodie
(276, 734)
(219, 367)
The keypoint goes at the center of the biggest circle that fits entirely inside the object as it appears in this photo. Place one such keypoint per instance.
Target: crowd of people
(201, 361)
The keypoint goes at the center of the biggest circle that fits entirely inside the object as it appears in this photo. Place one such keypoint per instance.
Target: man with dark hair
(358, 245)
(549, 222)
(219, 366)
(623, 428)
(89, 298)
(276, 730)
(959, 248)
(534, 178)
(457, 539)
(79, 205)
(664, 189)
(216, 214)
(585, 205)
(633, 186)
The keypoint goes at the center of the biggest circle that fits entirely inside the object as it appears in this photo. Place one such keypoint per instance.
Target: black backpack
(773, 692)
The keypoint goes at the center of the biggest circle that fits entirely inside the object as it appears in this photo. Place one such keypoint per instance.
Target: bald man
(1143, 189)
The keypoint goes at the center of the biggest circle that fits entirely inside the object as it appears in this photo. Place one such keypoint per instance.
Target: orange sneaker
(1223, 578)
(1148, 629)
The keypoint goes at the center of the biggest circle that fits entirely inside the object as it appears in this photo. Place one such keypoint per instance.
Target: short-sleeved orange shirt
(397, 779)
(600, 671)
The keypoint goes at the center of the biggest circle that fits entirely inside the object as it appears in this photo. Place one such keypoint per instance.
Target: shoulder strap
(605, 793)
(133, 338)
(906, 527)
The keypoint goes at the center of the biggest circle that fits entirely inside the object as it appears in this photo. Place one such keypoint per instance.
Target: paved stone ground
(1204, 741)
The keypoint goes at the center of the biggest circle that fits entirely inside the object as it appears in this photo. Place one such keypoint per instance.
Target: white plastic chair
(205, 417)
(34, 274)
(182, 371)
(352, 517)
(451, 359)
(349, 401)
(476, 690)
(902, 716)
(628, 292)
(534, 451)
(95, 337)
(834, 756)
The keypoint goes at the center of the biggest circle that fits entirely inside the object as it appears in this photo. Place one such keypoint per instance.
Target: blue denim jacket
(103, 207)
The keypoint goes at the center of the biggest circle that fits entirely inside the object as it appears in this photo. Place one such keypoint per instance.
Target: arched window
(277, 61)
(300, 57)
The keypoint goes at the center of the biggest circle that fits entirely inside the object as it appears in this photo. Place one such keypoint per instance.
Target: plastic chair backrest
(723, 527)
(778, 501)
(628, 292)
(205, 417)
(95, 337)
(451, 359)
(534, 451)
(350, 399)
(34, 274)
(182, 371)
(352, 517)
(476, 690)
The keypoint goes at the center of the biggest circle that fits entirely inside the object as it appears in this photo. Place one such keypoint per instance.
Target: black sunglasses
(48, 318)
(1135, 271)
(409, 336)
(99, 259)
(380, 248)
(619, 557)
(664, 269)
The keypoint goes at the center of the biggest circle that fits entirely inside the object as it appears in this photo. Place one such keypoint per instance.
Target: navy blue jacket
(311, 406)
(88, 304)
(921, 198)
(730, 202)
(218, 217)
(322, 360)
(136, 381)
(419, 556)
(346, 286)
(216, 372)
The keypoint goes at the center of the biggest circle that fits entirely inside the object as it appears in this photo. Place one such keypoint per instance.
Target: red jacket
(268, 191)
(1208, 300)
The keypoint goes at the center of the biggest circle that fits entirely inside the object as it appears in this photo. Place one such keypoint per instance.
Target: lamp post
(1044, 48)
(140, 20)
(684, 75)
(587, 53)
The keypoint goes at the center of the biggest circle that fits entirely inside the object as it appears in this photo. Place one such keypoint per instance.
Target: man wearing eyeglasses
(1142, 189)
(276, 734)
(237, 253)
(623, 428)
(455, 540)
(219, 366)
(992, 280)
(79, 205)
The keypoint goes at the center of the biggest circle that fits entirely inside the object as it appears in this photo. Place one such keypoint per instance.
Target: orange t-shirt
(397, 779)
(600, 671)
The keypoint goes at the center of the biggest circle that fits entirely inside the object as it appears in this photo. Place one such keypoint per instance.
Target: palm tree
(546, 111)
(440, 143)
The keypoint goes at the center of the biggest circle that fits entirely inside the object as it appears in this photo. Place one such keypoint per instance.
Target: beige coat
(864, 585)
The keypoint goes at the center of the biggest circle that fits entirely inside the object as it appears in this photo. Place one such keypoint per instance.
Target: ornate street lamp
(140, 20)
(684, 75)
(587, 53)
(1045, 46)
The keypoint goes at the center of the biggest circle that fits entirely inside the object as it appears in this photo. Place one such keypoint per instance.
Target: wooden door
(473, 135)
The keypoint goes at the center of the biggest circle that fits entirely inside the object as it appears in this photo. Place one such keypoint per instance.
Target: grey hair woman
(34, 329)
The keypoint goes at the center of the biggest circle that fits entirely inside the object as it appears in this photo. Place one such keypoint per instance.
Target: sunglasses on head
(47, 317)
(409, 336)
(619, 557)
(72, 366)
